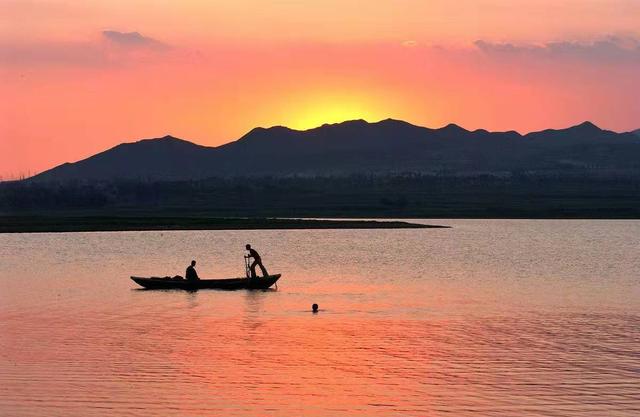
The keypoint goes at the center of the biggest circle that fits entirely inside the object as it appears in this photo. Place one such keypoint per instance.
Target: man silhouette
(191, 274)
(257, 261)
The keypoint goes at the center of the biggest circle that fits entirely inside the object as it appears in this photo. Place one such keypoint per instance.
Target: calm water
(489, 318)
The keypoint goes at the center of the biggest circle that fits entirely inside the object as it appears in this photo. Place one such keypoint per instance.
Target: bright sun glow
(332, 108)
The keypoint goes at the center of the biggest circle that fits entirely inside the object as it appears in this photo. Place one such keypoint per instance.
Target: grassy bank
(23, 224)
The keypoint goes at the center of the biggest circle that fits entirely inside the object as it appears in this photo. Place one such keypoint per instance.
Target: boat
(159, 283)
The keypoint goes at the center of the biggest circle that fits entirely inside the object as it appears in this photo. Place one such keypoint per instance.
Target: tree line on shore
(402, 195)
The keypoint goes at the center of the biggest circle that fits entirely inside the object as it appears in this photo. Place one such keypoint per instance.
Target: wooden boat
(157, 283)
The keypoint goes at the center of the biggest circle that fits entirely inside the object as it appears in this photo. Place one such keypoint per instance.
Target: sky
(79, 77)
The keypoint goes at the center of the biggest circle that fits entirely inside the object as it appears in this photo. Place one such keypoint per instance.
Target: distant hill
(388, 146)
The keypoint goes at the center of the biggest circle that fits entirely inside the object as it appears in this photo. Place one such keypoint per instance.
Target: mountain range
(359, 147)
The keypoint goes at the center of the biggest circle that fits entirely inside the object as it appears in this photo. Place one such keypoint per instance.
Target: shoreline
(62, 224)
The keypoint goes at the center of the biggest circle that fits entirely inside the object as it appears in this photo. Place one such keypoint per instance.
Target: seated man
(191, 274)
(257, 261)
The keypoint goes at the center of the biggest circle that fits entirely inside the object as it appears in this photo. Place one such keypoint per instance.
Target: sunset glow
(306, 112)
(78, 78)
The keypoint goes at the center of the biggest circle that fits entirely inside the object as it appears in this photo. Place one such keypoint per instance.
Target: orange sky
(76, 80)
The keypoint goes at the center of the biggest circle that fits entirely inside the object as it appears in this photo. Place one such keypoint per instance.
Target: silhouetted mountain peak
(354, 122)
(453, 128)
(261, 139)
(263, 132)
(583, 131)
(167, 145)
(164, 140)
(586, 127)
(255, 131)
(394, 123)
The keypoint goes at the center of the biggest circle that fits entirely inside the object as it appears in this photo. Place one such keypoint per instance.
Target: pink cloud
(113, 48)
(611, 49)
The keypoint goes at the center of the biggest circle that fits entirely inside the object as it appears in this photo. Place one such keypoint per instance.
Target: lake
(488, 318)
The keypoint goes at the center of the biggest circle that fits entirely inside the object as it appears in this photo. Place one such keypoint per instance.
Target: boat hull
(259, 283)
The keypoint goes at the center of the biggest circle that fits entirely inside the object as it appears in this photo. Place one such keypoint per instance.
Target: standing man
(257, 261)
